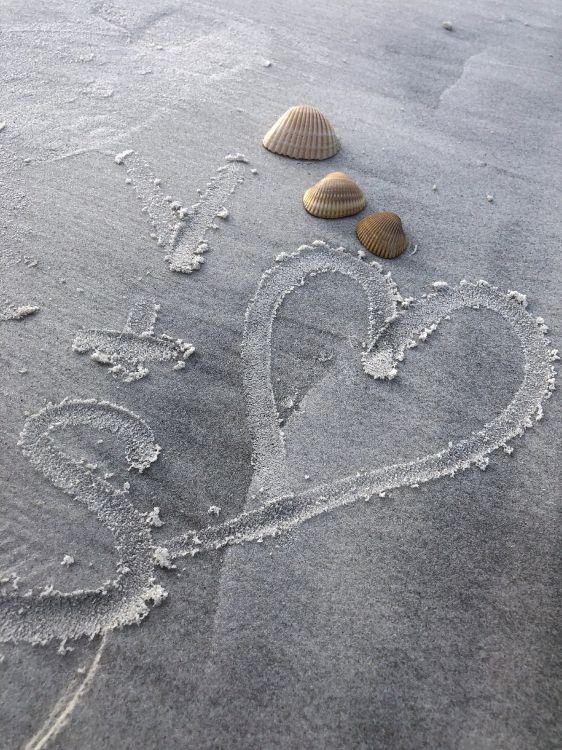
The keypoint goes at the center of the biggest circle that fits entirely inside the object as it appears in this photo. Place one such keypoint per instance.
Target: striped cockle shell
(303, 132)
(382, 233)
(334, 196)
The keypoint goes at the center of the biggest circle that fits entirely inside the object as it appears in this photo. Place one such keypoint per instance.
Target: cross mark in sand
(128, 351)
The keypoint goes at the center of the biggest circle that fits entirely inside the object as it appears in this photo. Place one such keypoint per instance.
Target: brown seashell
(382, 234)
(334, 196)
(302, 133)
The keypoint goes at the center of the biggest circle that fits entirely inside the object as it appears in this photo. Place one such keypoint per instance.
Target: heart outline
(381, 357)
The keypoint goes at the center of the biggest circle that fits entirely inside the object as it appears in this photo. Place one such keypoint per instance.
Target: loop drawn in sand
(38, 617)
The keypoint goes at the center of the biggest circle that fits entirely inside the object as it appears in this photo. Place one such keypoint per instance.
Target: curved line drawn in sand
(185, 231)
(395, 325)
(267, 439)
(38, 617)
(61, 713)
(128, 351)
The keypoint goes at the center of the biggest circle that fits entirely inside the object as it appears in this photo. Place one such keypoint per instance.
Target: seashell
(334, 196)
(382, 233)
(302, 133)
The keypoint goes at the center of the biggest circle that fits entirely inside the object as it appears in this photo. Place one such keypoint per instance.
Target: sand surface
(177, 376)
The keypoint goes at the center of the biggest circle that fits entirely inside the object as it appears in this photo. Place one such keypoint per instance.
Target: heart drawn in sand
(395, 325)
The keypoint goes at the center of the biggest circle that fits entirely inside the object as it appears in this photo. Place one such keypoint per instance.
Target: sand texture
(258, 488)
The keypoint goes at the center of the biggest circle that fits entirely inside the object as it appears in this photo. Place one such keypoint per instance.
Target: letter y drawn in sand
(183, 231)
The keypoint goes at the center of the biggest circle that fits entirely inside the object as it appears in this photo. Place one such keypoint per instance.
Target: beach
(260, 488)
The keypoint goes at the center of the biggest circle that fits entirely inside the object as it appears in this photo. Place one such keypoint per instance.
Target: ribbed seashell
(334, 196)
(382, 233)
(302, 133)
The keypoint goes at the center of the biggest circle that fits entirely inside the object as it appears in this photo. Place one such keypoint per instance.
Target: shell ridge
(382, 234)
(334, 196)
(303, 132)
